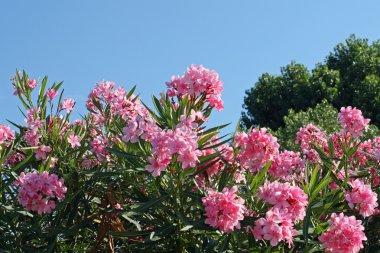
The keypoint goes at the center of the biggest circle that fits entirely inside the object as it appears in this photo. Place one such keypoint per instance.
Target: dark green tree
(350, 75)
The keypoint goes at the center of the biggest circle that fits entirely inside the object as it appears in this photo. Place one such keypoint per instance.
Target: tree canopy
(350, 75)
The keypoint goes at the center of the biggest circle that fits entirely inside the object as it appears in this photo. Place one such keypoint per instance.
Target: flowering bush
(128, 178)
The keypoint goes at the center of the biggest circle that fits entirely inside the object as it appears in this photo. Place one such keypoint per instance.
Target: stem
(178, 208)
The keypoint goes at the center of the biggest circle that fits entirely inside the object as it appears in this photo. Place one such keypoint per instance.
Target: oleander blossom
(42, 151)
(51, 94)
(32, 83)
(362, 198)
(257, 148)
(377, 154)
(139, 123)
(68, 104)
(307, 137)
(74, 140)
(345, 234)
(287, 165)
(275, 227)
(352, 121)
(198, 81)
(288, 198)
(6, 135)
(224, 210)
(38, 192)
(182, 141)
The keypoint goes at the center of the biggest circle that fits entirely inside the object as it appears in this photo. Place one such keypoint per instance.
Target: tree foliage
(350, 75)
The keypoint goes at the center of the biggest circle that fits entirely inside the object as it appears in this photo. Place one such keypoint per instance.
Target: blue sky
(146, 42)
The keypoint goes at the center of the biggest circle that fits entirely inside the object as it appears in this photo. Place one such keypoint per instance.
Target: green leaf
(129, 233)
(149, 204)
(257, 180)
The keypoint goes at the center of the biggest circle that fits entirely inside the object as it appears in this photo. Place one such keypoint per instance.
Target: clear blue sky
(146, 42)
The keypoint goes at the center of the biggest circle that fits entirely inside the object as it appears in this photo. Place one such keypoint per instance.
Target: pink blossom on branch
(224, 210)
(51, 93)
(352, 121)
(74, 140)
(362, 197)
(38, 192)
(68, 104)
(308, 137)
(42, 151)
(6, 135)
(32, 83)
(345, 234)
(288, 198)
(198, 81)
(275, 227)
(287, 165)
(257, 148)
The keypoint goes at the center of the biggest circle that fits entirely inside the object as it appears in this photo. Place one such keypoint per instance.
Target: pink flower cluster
(224, 210)
(74, 140)
(68, 105)
(288, 206)
(198, 81)
(307, 137)
(257, 148)
(352, 121)
(285, 197)
(182, 141)
(287, 165)
(31, 84)
(345, 234)
(51, 94)
(99, 145)
(139, 123)
(37, 192)
(42, 151)
(362, 197)
(275, 227)
(6, 135)
(377, 154)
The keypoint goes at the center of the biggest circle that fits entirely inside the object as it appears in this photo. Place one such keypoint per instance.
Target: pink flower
(51, 93)
(362, 197)
(99, 145)
(6, 135)
(74, 140)
(53, 161)
(307, 137)
(286, 165)
(14, 159)
(138, 121)
(345, 234)
(156, 166)
(224, 210)
(377, 154)
(32, 137)
(32, 83)
(42, 151)
(197, 82)
(166, 143)
(256, 148)
(37, 192)
(288, 198)
(275, 227)
(352, 121)
(68, 104)
(188, 158)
